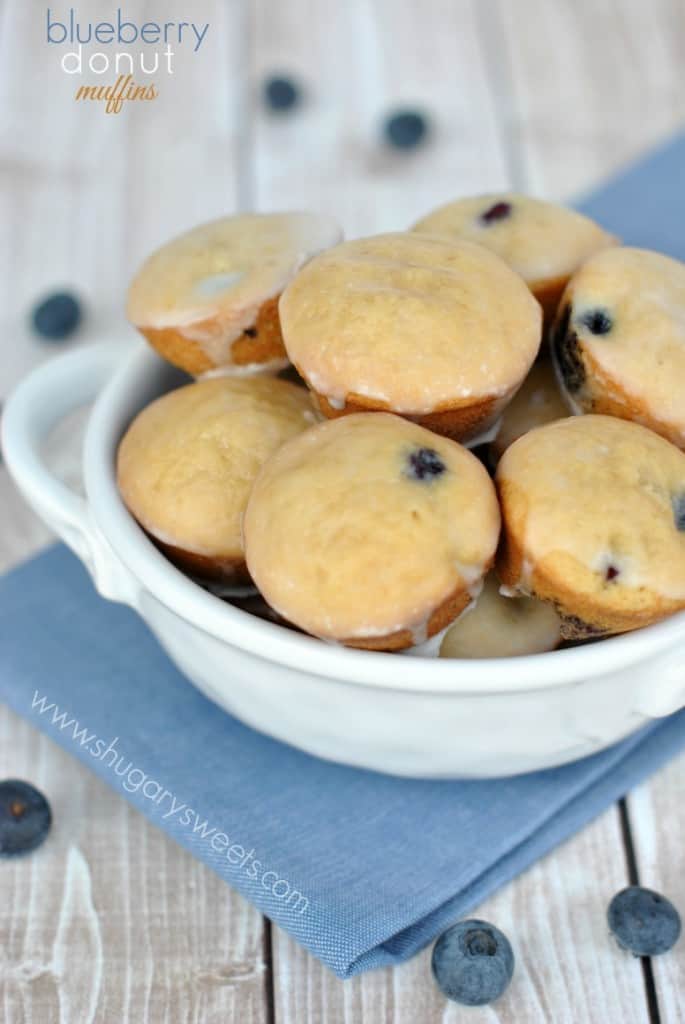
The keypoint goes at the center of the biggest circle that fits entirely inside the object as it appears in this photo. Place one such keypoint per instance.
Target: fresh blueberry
(679, 512)
(643, 922)
(405, 129)
(25, 817)
(472, 963)
(57, 316)
(425, 464)
(281, 93)
(500, 211)
(597, 321)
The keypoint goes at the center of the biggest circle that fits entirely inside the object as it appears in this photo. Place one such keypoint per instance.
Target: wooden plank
(357, 61)
(658, 829)
(567, 969)
(110, 921)
(587, 85)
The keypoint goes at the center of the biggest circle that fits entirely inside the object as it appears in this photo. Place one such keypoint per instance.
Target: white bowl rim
(274, 643)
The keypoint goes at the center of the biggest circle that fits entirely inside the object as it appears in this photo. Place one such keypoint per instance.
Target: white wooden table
(110, 921)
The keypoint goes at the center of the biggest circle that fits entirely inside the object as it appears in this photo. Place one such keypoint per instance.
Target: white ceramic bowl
(405, 715)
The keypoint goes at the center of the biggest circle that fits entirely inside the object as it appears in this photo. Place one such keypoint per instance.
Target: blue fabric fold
(360, 868)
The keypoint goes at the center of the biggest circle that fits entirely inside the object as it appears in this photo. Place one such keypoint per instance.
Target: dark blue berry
(500, 211)
(425, 464)
(472, 963)
(679, 512)
(281, 93)
(57, 316)
(405, 129)
(25, 817)
(597, 321)
(611, 573)
(643, 922)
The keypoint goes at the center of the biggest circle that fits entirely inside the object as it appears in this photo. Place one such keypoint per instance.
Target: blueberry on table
(25, 817)
(281, 93)
(643, 922)
(424, 464)
(57, 316)
(405, 129)
(472, 963)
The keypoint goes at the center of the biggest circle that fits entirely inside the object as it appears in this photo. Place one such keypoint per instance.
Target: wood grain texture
(358, 61)
(584, 87)
(110, 920)
(567, 969)
(658, 828)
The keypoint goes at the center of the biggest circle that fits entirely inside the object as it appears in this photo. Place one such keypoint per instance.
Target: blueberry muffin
(594, 522)
(619, 341)
(541, 241)
(441, 332)
(371, 531)
(209, 298)
(496, 626)
(187, 462)
(538, 401)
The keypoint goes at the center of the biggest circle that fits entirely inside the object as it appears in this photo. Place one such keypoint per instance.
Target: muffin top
(598, 504)
(538, 401)
(187, 462)
(364, 525)
(541, 241)
(414, 322)
(225, 269)
(625, 309)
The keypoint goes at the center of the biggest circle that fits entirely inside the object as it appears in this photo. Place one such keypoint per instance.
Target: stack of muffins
(353, 400)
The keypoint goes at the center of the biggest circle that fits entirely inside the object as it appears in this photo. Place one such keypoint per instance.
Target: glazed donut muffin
(187, 462)
(543, 242)
(502, 627)
(594, 522)
(441, 332)
(538, 401)
(619, 343)
(371, 531)
(209, 298)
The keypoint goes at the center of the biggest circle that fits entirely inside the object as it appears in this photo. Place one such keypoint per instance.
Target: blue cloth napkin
(645, 204)
(361, 868)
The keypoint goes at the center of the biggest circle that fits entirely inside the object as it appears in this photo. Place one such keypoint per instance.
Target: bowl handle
(40, 401)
